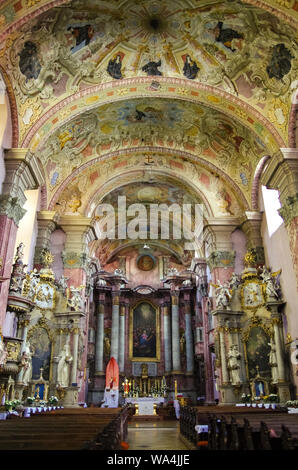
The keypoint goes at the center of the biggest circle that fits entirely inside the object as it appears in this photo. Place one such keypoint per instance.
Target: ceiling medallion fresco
(237, 47)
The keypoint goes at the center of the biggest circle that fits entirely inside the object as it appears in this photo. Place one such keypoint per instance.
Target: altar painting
(41, 346)
(257, 353)
(144, 333)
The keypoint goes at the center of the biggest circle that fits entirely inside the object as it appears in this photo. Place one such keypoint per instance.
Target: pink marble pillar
(8, 235)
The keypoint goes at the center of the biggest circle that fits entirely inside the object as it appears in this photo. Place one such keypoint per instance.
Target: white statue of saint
(26, 364)
(234, 357)
(223, 295)
(64, 361)
(76, 301)
(273, 362)
(272, 289)
(3, 352)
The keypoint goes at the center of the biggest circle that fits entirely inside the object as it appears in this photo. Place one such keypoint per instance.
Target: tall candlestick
(176, 390)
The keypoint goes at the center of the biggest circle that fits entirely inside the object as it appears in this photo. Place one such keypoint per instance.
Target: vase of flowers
(9, 405)
(53, 400)
(30, 400)
(292, 406)
(245, 398)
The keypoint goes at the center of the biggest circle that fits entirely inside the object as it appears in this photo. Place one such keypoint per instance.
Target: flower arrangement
(30, 400)
(272, 398)
(42, 403)
(292, 403)
(53, 400)
(245, 398)
(12, 404)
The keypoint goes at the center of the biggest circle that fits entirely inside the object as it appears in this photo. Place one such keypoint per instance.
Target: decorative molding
(221, 259)
(11, 207)
(289, 210)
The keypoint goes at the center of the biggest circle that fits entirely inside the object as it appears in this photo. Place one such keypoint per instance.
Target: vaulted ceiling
(189, 95)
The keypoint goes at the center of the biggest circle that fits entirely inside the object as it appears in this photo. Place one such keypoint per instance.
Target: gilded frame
(157, 322)
(244, 285)
(255, 322)
(43, 324)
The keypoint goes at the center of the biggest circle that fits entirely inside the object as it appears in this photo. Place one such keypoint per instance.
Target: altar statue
(223, 295)
(234, 357)
(26, 366)
(64, 362)
(273, 362)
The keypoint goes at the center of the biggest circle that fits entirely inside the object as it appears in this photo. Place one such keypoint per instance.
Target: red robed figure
(112, 374)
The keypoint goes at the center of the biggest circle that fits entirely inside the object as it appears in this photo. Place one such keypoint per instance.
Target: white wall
(27, 231)
(278, 256)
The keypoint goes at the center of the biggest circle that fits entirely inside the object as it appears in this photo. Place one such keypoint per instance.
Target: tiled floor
(160, 435)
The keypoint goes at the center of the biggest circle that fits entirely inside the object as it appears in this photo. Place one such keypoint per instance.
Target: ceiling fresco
(172, 100)
(236, 47)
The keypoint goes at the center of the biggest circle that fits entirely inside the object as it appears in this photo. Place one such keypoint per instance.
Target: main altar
(145, 405)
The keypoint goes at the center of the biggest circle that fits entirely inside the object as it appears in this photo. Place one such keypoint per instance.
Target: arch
(111, 92)
(166, 151)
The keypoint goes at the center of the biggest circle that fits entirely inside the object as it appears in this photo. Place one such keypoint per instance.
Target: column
(175, 333)
(252, 229)
(22, 173)
(167, 337)
(221, 256)
(279, 350)
(188, 335)
(46, 222)
(75, 344)
(121, 337)
(99, 345)
(115, 325)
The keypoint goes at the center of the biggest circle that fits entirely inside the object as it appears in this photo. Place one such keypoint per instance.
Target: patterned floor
(161, 435)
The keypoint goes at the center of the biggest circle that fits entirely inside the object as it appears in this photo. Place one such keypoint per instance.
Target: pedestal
(70, 399)
(228, 395)
(283, 392)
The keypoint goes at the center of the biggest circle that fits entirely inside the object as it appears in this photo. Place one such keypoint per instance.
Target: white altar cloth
(145, 404)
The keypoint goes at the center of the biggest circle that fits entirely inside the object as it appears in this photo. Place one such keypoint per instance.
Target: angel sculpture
(76, 302)
(271, 281)
(223, 295)
(234, 281)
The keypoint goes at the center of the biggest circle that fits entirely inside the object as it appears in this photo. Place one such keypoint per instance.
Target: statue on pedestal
(223, 295)
(76, 302)
(234, 357)
(272, 287)
(273, 362)
(26, 366)
(64, 361)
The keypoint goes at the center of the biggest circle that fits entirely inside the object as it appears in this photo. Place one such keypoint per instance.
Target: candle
(175, 389)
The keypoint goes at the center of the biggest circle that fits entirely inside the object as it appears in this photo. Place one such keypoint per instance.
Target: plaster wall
(278, 256)
(27, 230)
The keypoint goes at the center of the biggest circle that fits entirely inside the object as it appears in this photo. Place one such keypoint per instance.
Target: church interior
(148, 211)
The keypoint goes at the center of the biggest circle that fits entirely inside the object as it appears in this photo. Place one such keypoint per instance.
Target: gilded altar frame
(255, 322)
(157, 323)
(43, 325)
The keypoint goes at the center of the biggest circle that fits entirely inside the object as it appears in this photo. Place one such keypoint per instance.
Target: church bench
(72, 429)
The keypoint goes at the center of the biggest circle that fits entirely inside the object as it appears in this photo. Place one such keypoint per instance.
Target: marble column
(99, 345)
(167, 337)
(277, 324)
(221, 256)
(115, 325)
(188, 340)
(22, 172)
(46, 222)
(122, 337)
(176, 360)
(75, 344)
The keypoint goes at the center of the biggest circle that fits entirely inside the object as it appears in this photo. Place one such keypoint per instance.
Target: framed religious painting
(144, 332)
